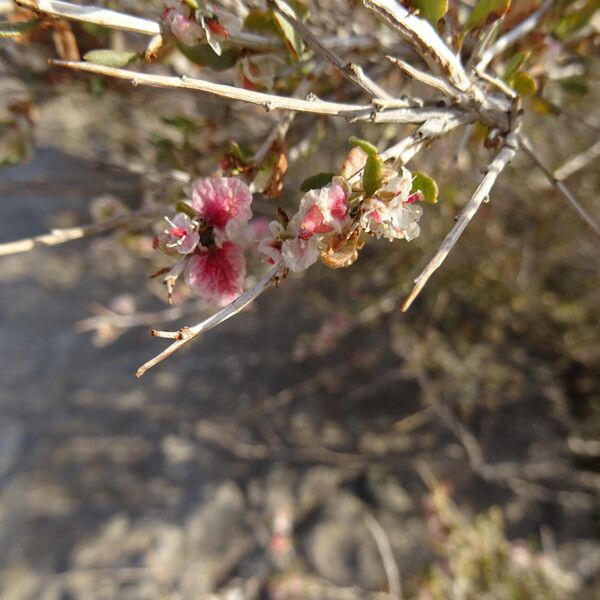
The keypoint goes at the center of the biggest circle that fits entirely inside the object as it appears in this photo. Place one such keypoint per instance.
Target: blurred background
(322, 444)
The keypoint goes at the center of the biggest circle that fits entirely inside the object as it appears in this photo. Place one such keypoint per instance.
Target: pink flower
(322, 212)
(180, 236)
(182, 22)
(224, 204)
(270, 246)
(217, 274)
(393, 214)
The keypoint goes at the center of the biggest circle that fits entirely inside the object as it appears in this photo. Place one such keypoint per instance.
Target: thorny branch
(60, 236)
(481, 195)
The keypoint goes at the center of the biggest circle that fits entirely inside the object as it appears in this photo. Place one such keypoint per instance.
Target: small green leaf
(363, 145)
(111, 58)
(15, 29)
(576, 86)
(427, 186)
(205, 56)
(523, 83)
(577, 19)
(372, 174)
(239, 153)
(514, 63)
(317, 181)
(186, 209)
(261, 21)
(432, 10)
(486, 11)
(289, 35)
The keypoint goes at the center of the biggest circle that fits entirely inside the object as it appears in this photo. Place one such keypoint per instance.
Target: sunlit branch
(61, 236)
(185, 335)
(481, 194)
(560, 186)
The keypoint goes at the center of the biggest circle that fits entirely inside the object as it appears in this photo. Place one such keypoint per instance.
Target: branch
(352, 72)
(425, 78)
(576, 163)
(387, 555)
(559, 185)
(125, 22)
(424, 38)
(514, 35)
(267, 101)
(60, 236)
(185, 335)
(481, 194)
(270, 102)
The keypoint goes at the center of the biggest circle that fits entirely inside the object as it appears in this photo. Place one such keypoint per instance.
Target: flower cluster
(211, 239)
(191, 23)
(392, 212)
(211, 236)
(323, 213)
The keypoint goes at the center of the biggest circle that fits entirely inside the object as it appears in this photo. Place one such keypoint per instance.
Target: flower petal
(217, 275)
(299, 254)
(224, 203)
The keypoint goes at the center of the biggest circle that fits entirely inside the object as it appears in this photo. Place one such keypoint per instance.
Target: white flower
(393, 214)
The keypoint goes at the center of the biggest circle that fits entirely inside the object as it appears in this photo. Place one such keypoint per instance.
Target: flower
(182, 22)
(192, 25)
(224, 204)
(180, 236)
(217, 274)
(392, 213)
(322, 212)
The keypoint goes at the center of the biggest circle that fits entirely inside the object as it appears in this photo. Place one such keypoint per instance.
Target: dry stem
(481, 194)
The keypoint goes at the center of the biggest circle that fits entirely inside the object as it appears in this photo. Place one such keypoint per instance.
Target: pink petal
(223, 202)
(313, 223)
(217, 275)
(185, 29)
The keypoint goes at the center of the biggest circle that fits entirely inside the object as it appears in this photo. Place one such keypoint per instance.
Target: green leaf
(111, 58)
(261, 21)
(576, 86)
(317, 181)
(432, 10)
(577, 19)
(372, 174)
(523, 83)
(514, 63)
(186, 209)
(205, 56)
(427, 186)
(363, 145)
(486, 11)
(289, 35)
(15, 29)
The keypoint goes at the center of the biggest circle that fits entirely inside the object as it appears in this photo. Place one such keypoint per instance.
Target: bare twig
(426, 78)
(117, 20)
(60, 236)
(387, 555)
(352, 72)
(187, 334)
(559, 185)
(578, 162)
(354, 112)
(424, 38)
(481, 194)
(514, 35)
